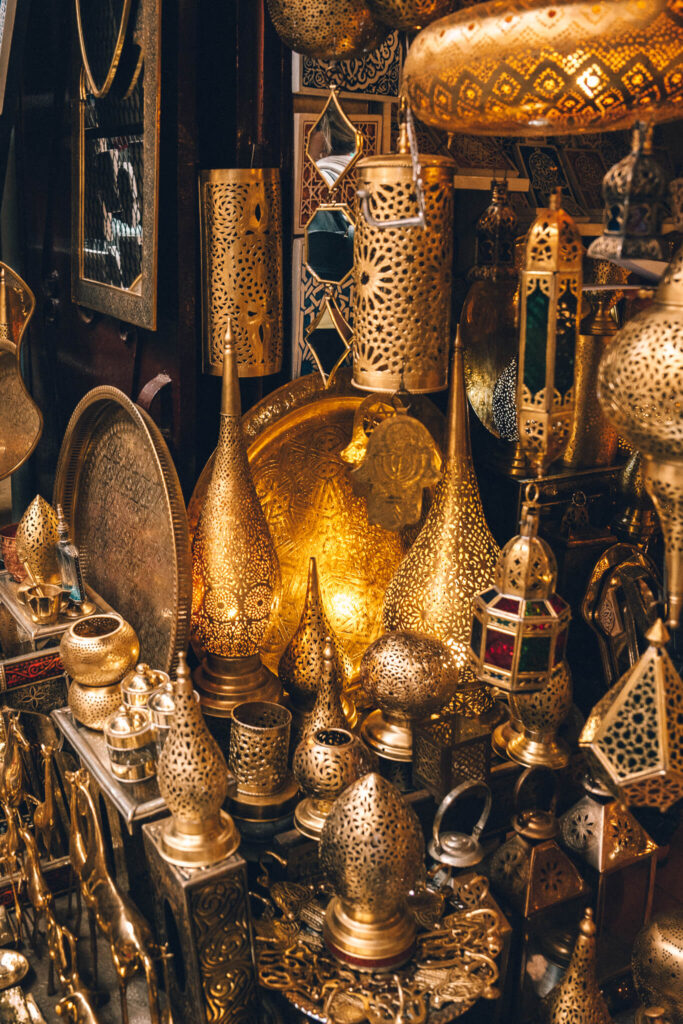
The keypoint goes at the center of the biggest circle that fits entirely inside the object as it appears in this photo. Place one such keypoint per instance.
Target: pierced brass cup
(257, 757)
(325, 763)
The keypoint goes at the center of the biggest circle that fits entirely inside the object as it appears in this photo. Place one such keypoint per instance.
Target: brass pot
(99, 650)
(410, 15)
(93, 705)
(325, 763)
(8, 545)
(327, 29)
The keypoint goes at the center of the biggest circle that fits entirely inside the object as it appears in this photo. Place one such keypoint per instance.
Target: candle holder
(129, 738)
(257, 757)
(325, 763)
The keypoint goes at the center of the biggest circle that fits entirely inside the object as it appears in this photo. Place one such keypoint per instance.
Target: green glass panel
(536, 340)
(565, 341)
(535, 608)
(534, 654)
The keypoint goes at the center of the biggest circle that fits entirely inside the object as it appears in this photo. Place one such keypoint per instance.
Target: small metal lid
(162, 700)
(129, 728)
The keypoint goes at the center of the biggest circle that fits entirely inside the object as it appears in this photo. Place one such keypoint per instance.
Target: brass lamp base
(502, 735)
(268, 807)
(389, 735)
(538, 751)
(368, 945)
(202, 849)
(223, 683)
(310, 816)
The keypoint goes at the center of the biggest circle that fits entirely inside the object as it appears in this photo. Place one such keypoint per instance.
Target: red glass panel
(557, 603)
(507, 604)
(500, 649)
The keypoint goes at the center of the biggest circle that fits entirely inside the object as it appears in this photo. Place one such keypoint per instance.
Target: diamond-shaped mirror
(328, 340)
(328, 243)
(333, 144)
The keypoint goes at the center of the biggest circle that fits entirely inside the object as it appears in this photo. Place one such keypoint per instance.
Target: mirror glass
(328, 342)
(102, 29)
(329, 243)
(333, 144)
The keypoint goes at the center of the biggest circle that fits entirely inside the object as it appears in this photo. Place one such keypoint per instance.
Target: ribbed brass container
(241, 237)
(402, 276)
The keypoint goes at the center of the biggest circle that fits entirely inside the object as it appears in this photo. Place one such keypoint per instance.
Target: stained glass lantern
(519, 628)
(549, 313)
(633, 737)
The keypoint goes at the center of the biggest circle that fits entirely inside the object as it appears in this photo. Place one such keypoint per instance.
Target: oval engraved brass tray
(295, 436)
(121, 496)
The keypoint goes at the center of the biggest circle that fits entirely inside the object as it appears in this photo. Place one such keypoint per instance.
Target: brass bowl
(326, 29)
(99, 650)
(8, 544)
(93, 705)
(13, 967)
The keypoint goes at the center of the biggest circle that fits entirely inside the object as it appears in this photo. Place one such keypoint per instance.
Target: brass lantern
(519, 628)
(633, 737)
(639, 386)
(578, 997)
(549, 313)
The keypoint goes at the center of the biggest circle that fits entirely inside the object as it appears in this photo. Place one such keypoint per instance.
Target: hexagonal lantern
(633, 737)
(519, 628)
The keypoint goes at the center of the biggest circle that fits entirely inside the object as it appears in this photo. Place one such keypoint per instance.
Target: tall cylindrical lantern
(549, 301)
(402, 275)
(241, 229)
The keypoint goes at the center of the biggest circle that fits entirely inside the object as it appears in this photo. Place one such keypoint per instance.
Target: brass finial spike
(231, 404)
(458, 425)
(313, 585)
(183, 683)
(578, 994)
(329, 656)
(555, 201)
(587, 926)
(658, 634)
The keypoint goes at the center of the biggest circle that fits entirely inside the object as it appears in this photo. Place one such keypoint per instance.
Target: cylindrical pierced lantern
(402, 276)
(241, 226)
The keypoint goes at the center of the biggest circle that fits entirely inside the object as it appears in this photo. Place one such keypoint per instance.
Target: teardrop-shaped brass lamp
(194, 781)
(235, 570)
(327, 29)
(537, 67)
(36, 541)
(454, 555)
(578, 997)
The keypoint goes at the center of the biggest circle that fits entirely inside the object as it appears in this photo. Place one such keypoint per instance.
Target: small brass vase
(325, 763)
(194, 781)
(372, 852)
(235, 570)
(409, 676)
(36, 541)
(257, 757)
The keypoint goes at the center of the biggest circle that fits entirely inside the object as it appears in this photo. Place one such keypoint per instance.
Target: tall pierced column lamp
(235, 570)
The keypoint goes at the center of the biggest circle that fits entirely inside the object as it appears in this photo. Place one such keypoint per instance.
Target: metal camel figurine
(11, 765)
(129, 936)
(9, 858)
(44, 814)
(37, 889)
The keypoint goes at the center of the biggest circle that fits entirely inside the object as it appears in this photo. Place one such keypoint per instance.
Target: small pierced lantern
(519, 629)
(549, 312)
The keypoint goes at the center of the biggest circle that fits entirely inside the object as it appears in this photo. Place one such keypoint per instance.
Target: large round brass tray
(295, 437)
(120, 492)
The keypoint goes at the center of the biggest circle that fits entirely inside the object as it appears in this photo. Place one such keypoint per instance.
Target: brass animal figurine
(118, 919)
(76, 1003)
(11, 765)
(37, 889)
(45, 813)
(9, 859)
(78, 855)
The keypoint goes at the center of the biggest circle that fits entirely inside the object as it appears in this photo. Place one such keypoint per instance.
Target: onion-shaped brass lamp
(372, 852)
(536, 67)
(657, 964)
(540, 714)
(327, 29)
(519, 628)
(530, 870)
(549, 311)
(325, 763)
(454, 555)
(639, 386)
(194, 781)
(633, 737)
(634, 191)
(488, 321)
(409, 676)
(36, 541)
(235, 570)
(578, 997)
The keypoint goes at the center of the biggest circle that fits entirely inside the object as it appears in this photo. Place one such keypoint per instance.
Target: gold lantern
(488, 321)
(241, 237)
(540, 714)
(634, 191)
(578, 997)
(36, 541)
(549, 305)
(533, 67)
(327, 29)
(633, 737)
(372, 852)
(519, 627)
(639, 384)
(657, 964)
(402, 272)
(235, 570)
(194, 781)
(409, 676)
(410, 15)
(454, 555)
